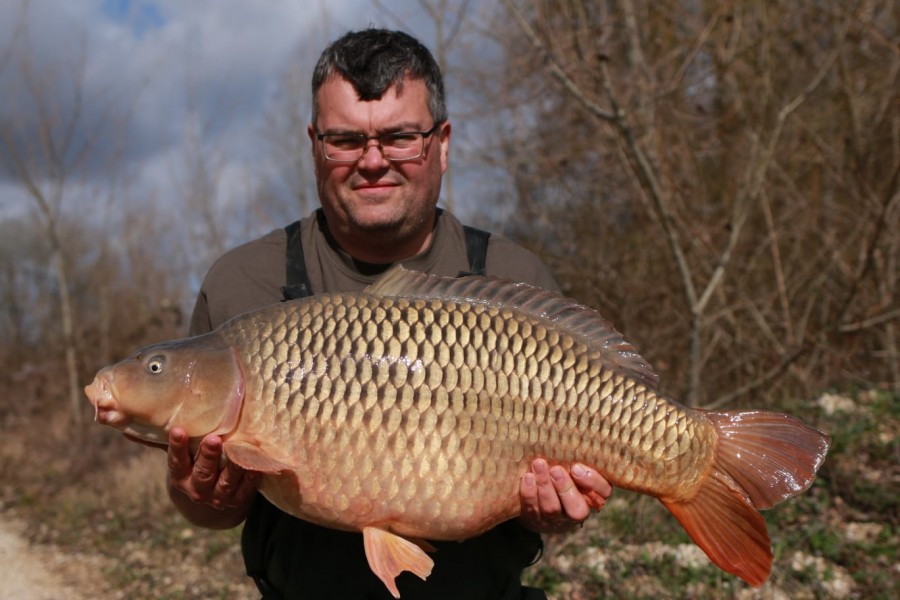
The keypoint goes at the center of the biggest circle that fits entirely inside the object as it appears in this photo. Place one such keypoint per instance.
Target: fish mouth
(100, 394)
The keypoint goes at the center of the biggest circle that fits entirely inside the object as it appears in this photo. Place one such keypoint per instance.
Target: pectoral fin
(389, 555)
(253, 458)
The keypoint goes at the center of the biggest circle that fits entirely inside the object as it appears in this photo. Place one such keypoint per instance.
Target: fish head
(196, 384)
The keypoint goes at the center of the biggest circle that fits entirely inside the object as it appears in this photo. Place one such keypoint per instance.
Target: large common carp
(411, 410)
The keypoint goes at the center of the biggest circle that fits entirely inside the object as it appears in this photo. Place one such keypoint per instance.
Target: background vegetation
(719, 179)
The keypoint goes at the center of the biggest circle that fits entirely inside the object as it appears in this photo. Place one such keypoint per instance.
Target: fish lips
(102, 396)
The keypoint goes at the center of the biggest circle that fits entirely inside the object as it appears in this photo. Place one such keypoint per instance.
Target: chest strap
(296, 277)
(476, 250)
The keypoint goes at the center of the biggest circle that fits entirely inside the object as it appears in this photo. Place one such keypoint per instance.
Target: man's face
(373, 199)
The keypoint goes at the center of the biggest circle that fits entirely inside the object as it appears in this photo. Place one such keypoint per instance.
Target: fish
(409, 412)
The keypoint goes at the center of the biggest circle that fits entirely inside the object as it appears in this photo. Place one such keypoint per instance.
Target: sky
(198, 74)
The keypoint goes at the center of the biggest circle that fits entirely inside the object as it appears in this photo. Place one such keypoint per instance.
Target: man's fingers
(593, 486)
(588, 480)
(205, 479)
(548, 498)
(569, 496)
(234, 486)
(531, 508)
(248, 488)
(178, 455)
(207, 465)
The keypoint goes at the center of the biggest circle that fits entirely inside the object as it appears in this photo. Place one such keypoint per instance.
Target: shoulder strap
(296, 279)
(476, 250)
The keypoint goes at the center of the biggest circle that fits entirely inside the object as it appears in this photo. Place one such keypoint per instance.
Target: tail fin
(762, 458)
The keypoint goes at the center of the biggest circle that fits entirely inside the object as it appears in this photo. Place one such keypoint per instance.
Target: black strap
(296, 278)
(476, 250)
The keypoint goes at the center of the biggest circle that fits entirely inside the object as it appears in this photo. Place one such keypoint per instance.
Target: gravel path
(30, 572)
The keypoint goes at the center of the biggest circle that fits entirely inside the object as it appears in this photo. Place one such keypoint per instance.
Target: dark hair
(373, 60)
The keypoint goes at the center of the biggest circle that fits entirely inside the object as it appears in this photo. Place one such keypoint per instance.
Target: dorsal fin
(564, 313)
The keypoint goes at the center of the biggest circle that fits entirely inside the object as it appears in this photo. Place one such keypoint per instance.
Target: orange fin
(389, 555)
(732, 533)
(253, 458)
(771, 456)
(594, 500)
(761, 459)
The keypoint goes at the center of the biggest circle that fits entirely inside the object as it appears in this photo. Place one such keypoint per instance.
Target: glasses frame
(365, 140)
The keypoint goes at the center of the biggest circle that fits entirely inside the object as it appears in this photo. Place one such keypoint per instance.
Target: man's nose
(373, 160)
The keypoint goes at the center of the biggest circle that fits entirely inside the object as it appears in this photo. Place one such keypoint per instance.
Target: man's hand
(556, 501)
(206, 492)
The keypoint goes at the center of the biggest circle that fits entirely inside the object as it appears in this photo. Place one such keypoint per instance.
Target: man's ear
(311, 132)
(444, 134)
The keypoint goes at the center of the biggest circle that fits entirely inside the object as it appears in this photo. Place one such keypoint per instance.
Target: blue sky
(139, 16)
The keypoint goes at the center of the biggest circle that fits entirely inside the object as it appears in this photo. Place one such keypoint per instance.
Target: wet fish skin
(416, 416)
(413, 410)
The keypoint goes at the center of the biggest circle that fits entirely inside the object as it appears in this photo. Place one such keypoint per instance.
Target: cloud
(166, 68)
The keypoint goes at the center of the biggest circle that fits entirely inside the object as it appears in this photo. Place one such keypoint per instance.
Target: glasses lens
(394, 146)
(401, 146)
(343, 147)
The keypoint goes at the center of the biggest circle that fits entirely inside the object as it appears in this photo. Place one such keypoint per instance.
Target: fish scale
(412, 410)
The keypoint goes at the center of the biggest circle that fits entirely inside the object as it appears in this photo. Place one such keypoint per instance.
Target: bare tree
(41, 154)
(448, 17)
(711, 118)
(55, 136)
(291, 186)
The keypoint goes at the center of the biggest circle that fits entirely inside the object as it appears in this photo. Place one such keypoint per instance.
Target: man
(380, 139)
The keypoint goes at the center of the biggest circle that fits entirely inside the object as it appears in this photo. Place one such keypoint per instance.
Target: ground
(39, 572)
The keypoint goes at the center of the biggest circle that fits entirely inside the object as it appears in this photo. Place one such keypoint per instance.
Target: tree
(742, 154)
(447, 17)
(48, 146)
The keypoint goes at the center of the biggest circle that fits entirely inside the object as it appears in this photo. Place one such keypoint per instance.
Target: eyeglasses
(394, 146)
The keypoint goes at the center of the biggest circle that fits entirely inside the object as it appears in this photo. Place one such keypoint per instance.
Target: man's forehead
(339, 99)
(395, 88)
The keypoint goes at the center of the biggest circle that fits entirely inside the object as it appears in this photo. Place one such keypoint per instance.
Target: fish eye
(155, 364)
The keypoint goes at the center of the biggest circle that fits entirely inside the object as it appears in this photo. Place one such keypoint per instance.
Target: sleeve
(511, 261)
(200, 321)
(244, 278)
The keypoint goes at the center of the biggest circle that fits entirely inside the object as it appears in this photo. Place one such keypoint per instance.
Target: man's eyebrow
(404, 126)
(395, 128)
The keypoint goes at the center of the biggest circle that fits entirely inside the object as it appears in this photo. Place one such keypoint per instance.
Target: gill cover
(196, 384)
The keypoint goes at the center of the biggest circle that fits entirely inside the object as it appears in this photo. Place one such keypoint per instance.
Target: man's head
(380, 142)
(373, 60)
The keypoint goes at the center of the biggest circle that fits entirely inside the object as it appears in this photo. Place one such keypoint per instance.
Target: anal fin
(389, 555)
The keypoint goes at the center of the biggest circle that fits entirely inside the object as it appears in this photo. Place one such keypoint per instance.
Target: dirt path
(32, 572)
